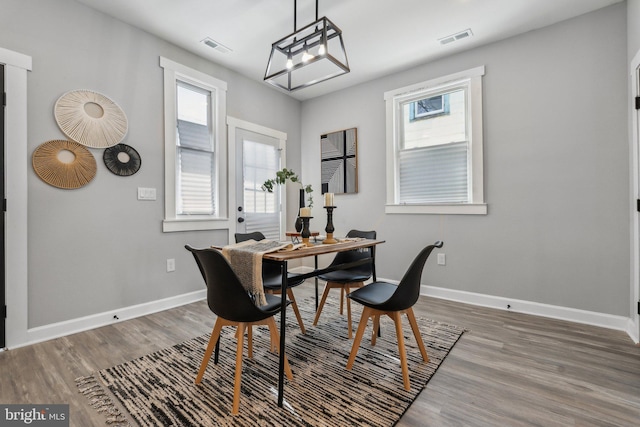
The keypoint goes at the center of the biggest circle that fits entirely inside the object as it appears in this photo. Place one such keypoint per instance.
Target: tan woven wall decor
(76, 171)
(90, 118)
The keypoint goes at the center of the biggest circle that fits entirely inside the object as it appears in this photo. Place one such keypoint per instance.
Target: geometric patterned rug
(158, 389)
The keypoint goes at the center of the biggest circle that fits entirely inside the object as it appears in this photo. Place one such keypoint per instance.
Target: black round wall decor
(122, 159)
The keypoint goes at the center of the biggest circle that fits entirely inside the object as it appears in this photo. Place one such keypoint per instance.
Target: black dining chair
(233, 306)
(272, 277)
(380, 298)
(350, 278)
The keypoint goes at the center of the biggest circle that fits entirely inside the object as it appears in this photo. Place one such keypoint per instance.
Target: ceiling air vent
(218, 47)
(455, 37)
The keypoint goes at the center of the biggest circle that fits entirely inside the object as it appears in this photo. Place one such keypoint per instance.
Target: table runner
(245, 259)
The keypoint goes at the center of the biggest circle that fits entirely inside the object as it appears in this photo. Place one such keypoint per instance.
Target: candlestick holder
(329, 228)
(305, 230)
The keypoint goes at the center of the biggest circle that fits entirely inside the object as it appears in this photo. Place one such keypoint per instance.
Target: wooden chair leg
(322, 301)
(274, 331)
(238, 376)
(347, 288)
(403, 355)
(215, 336)
(275, 344)
(341, 299)
(376, 328)
(294, 305)
(416, 333)
(250, 341)
(364, 319)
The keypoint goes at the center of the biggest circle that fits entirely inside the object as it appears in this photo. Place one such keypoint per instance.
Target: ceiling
(381, 36)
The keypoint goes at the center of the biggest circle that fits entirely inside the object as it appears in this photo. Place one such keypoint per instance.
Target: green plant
(281, 178)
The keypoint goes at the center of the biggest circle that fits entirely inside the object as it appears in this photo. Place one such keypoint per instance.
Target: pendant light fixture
(307, 56)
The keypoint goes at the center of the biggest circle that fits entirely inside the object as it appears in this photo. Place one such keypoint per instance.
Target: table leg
(283, 328)
(315, 259)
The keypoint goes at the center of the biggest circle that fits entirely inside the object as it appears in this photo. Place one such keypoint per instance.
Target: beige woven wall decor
(90, 118)
(78, 171)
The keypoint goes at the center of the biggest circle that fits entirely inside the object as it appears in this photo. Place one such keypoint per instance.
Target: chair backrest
(408, 290)
(226, 296)
(256, 235)
(349, 256)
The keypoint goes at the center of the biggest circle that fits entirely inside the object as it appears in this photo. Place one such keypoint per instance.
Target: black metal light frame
(318, 33)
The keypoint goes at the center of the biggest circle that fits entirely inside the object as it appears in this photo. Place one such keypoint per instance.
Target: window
(195, 150)
(429, 107)
(434, 146)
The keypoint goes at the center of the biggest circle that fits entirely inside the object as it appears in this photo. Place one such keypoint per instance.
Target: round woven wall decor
(76, 170)
(90, 118)
(122, 159)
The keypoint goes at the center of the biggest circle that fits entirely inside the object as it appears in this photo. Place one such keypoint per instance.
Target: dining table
(282, 258)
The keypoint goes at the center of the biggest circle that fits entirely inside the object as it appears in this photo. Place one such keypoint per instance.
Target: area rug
(159, 390)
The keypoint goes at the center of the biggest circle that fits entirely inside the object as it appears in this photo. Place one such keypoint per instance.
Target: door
(3, 309)
(258, 158)
(635, 305)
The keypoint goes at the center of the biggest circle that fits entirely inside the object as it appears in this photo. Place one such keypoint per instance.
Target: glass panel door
(258, 158)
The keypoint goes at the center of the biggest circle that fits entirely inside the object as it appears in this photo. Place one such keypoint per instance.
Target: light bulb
(306, 56)
(289, 64)
(322, 50)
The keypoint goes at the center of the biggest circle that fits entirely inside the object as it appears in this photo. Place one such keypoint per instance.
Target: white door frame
(634, 323)
(16, 163)
(233, 125)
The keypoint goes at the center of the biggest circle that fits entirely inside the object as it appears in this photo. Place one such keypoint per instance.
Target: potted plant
(284, 175)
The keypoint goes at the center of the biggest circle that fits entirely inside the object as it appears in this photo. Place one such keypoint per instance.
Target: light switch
(146, 193)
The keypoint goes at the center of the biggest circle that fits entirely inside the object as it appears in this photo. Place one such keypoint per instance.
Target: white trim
(234, 124)
(634, 287)
(67, 327)
(453, 209)
(16, 172)
(173, 72)
(608, 321)
(439, 81)
(194, 224)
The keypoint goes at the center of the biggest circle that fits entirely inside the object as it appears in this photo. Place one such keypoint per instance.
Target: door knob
(241, 219)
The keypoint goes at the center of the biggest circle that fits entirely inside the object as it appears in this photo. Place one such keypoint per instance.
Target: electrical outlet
(171, 265)
(442, 260)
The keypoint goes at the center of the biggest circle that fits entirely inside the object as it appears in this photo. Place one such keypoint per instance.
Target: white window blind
(436, 174)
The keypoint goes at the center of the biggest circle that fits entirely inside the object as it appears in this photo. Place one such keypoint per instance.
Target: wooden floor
(509, 369)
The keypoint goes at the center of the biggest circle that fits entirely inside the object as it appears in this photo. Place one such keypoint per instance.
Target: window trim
(393, 100)
(172, 222)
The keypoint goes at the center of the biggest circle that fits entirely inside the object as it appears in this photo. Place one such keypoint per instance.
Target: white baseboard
(633, 330)
(609, 321)
(68, 327)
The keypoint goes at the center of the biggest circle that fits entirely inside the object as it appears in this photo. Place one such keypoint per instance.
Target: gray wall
(633, 27)
(556, 170)
(97, 248)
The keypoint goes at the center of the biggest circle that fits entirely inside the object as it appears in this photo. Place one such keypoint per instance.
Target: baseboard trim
(608, 321)
(68, 327)
(632, 330)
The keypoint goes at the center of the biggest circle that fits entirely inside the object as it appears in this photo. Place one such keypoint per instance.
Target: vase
(298, 224)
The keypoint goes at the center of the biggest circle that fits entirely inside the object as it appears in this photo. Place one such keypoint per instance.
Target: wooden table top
(321, 249)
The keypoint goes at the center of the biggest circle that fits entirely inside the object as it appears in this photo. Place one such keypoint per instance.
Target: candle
(305, 212)
(328, 199)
